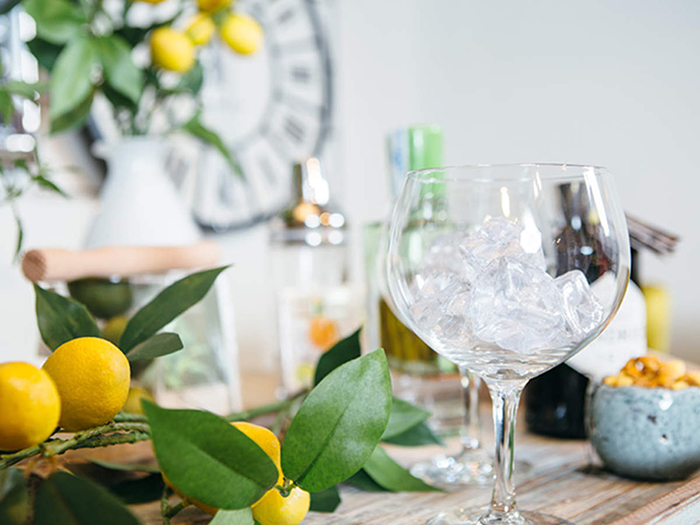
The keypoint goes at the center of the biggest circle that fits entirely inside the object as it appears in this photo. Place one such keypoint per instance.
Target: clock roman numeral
(294, 129)
(301, 74)
(267, 169)
(285, 16)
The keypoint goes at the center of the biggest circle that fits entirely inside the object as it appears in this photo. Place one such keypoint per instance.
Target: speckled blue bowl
(647, 433)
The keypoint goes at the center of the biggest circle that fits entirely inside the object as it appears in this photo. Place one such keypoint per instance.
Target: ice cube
(582, 309)
(516, 306)
(426, 312)
(454, 330)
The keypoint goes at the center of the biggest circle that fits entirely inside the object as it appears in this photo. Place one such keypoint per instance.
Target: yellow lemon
(29, 406)
(92, 377)
(266, 440)
(211, 6)
(133, 400)
(242, 33)
(114, 329)
(200, 29)
(274, 509)
(171, 50)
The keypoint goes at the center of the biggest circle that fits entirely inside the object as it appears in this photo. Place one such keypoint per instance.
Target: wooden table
(562, 483)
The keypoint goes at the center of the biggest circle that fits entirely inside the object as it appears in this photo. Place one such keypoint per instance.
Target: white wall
(615, 83)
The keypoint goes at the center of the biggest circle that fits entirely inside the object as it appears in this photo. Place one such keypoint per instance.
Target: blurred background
(605, 83)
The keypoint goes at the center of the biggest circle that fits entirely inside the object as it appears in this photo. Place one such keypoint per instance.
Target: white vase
(139, 205)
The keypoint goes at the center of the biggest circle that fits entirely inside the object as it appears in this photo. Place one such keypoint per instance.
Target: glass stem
(471, 431)
(505, 399)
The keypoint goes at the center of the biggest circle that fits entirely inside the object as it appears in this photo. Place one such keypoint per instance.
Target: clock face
(272, 109)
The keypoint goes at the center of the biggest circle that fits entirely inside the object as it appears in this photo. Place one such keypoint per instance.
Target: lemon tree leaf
(362, 481)
(339, 424)
(45, 52)
(325, 501)
(166, 306)
(7, 107)
(392, 476)
(14, 498)
(64, 499)
(343, 351)
(75, 118)
(57, 21)
(119, 70)
(61, 319)
(7, 6)
(140, 490)
(404, 415)
(125, 467)
(416, 436)
(233, 517)
(156, 346)
(207, 135)
(209, 459)
(71, 78)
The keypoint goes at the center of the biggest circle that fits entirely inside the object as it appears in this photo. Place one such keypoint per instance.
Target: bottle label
(625, 338)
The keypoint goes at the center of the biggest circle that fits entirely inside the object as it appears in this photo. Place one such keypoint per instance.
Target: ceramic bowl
(647, 433)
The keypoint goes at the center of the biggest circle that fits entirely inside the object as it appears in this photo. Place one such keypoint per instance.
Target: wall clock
(272, 109)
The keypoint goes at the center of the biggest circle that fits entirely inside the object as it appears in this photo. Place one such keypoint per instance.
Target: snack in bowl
(644, 420)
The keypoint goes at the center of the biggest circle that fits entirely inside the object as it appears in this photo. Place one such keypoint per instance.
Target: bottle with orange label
(316, 304)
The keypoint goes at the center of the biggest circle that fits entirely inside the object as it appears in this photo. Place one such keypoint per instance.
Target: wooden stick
(121, 261)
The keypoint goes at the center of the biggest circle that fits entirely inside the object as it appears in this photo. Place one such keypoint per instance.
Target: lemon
(242, 33)
(171, 50)
(211, 6)
(92, 377)
(114, 329)
(200, 29)
(29, 406)
(275, 509)
(266, 440)
(133, 400)
(102, 297)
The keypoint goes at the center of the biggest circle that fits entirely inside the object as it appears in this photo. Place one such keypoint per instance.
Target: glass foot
(477, 517)
(471, 467)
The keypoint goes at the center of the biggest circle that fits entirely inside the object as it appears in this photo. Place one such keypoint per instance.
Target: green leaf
(362, 481)
(192, 81)
(392, 476)
(198, 130)
(404, 415)
(23, 89)
(7, 107)
(73, 119)
(61, 319)
(64, 499)
(339, 424)
(119, 70)
(137, 35)
(140, 490)
(57, 21)
(416, 436)
(343, 351)
(47, 184)
(20, 236)
(14, 498)
(166, 306)
(126, 467)
(158, 345)
(45, 52)
(7, 5)
(117, 99)
(325, 501)
(209, 459)
(71, 82)
(233, 517)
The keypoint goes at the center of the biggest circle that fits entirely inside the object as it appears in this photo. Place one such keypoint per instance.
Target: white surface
(611, 83)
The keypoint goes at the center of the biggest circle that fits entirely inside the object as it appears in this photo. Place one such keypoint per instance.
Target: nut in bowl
(645, 420)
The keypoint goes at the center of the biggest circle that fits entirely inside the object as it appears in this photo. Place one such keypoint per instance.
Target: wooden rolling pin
(122, 261)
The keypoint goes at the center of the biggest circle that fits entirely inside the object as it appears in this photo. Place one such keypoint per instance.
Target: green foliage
(404, 416)
(71, 79)
(61, 319)
(325, 501)
(125, 467)
(339, 424)
(167, 305)
(209, 459)
(233, 517)
(361, 480)
(64, 499)
(140, 490)
(119, 70)
(14, 498)
(416, 436)
(7, 5)
(390, 475)
(160, 344)
(45, 52)
(343, 351)
(57, 21)
(198, 130)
